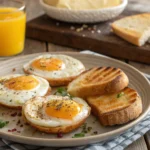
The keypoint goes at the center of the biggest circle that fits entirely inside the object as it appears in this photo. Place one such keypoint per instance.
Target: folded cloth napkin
(117, 143)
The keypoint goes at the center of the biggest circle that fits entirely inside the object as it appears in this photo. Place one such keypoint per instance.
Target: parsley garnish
(78, 135)
(63, 92)
(3, 123)
(95, 133)
(84, 128)
(120, 94)
(89, 129)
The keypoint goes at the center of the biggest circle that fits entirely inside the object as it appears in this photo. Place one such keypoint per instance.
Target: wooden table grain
(33, 46)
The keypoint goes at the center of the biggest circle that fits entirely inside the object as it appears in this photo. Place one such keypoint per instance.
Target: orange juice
(12, 31)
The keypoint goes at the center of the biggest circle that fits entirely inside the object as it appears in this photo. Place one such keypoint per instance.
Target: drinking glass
(12, 27)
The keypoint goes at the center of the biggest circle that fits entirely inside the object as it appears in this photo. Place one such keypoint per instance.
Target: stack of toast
(106, 91)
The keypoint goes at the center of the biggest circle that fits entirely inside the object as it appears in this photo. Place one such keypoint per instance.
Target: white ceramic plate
(83, 16)
(28, 135)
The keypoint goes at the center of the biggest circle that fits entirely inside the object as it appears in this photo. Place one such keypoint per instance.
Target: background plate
(28, 135)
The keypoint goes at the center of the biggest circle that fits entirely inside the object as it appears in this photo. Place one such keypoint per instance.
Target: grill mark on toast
(87, 73)
(131, 93)
(109, 70)
(92, 70)
(104, 74)
(96, 73)
(112, 75)
(133, 100)
(116, 69)
(128, 90)
(101, 75)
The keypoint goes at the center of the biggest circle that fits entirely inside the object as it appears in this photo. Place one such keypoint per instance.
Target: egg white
(12, 97)
(71, 67)
(33, 111)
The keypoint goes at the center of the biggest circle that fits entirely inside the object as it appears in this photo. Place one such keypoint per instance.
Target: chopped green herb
(89, 129)
(84, 128)
(63, 92)
(3, 123)
(120, 94)
(95, 133)
(78, 135)
(84, 125)
(31, 69)
(95, 120)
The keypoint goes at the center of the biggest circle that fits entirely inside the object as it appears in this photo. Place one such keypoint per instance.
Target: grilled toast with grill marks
(118, 108)
(98, 81)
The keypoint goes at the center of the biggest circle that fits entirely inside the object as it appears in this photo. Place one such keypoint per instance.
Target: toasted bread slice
(98, 81)
(135, 29)
(118, 108)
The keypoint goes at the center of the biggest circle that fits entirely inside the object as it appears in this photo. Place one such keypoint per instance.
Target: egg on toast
(59, 70)
(56, 114)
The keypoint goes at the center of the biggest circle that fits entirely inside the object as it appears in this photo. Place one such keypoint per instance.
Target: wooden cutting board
(97, 37)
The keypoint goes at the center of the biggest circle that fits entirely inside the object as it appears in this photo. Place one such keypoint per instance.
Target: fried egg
(53, 113)
(57, 69)
(16, 89)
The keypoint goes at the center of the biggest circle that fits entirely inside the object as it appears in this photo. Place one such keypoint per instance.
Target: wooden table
(33, 46)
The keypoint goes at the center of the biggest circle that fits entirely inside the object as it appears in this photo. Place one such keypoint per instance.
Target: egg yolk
(21, 83)
(48, 64)
(64, 109)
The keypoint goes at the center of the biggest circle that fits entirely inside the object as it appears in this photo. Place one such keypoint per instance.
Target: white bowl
(83, 16)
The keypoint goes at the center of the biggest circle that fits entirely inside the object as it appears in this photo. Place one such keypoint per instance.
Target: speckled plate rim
(76, 141)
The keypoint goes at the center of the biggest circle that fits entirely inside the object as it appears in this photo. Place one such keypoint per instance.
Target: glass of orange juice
(12, 27)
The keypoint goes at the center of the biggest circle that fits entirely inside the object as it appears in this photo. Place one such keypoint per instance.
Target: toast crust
(20, 107)
(117, 114)
(103, 80)
(56, 82)
(130, 35)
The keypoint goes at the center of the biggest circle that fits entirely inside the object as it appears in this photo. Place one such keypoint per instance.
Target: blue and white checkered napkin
(118, 143)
